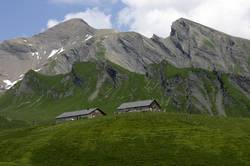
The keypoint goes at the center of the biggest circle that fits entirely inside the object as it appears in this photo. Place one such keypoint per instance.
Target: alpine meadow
(75, 95)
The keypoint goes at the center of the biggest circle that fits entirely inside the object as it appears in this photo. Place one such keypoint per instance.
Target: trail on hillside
(99, 84)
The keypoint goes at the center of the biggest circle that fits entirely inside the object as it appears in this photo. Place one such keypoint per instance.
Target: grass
(45, 97)
(131, 139)
(237, 100)
(100, 51)
(11, 124)
(52, 95)
(237, 68)
(164, 138)
(171, 71)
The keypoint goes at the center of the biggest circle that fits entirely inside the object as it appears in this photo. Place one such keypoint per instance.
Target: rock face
(22, 54)
(203, 47)
(57, 49)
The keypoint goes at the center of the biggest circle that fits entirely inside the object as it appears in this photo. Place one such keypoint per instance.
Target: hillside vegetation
(131, 139)
(11, 124)
(102, 84)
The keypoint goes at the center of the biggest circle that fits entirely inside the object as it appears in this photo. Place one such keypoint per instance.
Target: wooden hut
(140, 106)
(77, 115)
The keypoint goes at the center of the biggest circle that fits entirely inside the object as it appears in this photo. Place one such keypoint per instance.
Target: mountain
(11, 124)
(106, 85)
(196, 70)
(189, 45)
(22, 54)
(203, 47)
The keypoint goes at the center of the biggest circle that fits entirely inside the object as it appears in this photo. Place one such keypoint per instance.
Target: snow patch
(55, 52)
(34, 53)
(61, 50)
(37, 70)
(9, 84)
(21, 76)
(38, 57)
(87, 37)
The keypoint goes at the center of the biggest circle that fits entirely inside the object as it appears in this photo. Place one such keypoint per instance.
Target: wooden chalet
(77, 115)
(140, 106)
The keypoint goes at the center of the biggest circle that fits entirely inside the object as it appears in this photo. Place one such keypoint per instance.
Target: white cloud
(52, 23)
(94, 17)
(156, 16)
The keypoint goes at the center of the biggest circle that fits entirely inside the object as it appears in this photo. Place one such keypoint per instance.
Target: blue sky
(28, 17)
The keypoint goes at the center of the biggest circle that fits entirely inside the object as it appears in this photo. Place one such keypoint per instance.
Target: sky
(24, 18)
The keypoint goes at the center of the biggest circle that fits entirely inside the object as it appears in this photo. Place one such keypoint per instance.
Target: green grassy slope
(131, 139)
(208, 83)
(97, 84)
(11, 124)
(50, 96)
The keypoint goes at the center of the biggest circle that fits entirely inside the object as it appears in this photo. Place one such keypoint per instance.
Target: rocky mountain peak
(206, 48)
(72, 24)
(68, 29)
(74, 21)
(22, 54)
(55, 51)
(183, 28)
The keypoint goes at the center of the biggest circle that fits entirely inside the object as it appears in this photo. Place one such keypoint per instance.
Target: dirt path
(98, 86)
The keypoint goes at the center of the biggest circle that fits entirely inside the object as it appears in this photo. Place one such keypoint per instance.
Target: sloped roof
(135, 104)
(76, 113)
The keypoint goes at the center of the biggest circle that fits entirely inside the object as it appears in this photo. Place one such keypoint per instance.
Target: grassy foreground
(11, 124)
(131, 139)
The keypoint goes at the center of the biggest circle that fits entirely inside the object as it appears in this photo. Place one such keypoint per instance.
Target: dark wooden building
(77, 115)
(140, 106)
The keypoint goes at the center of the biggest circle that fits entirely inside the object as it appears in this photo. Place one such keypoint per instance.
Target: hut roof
(77, 113)
(136, 104)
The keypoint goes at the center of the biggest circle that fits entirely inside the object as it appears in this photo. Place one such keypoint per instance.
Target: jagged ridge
(57, 49)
